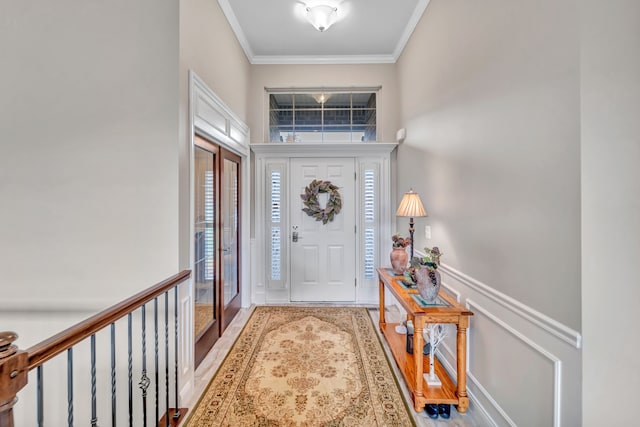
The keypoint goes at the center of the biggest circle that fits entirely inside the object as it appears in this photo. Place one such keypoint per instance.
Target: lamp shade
(322, 16)
(411, 205)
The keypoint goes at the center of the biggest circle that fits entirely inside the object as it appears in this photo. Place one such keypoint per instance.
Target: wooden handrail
(51, 347)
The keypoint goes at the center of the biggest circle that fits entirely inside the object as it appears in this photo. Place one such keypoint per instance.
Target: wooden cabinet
(414, 365)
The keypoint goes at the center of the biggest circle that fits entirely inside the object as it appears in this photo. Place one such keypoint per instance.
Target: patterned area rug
(304, 366)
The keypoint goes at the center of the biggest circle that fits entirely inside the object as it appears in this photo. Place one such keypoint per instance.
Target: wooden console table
(412, 366)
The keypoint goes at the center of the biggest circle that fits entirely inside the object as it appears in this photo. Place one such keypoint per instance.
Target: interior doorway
(216, 241)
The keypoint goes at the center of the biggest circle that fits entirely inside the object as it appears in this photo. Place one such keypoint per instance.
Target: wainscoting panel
(523, 368)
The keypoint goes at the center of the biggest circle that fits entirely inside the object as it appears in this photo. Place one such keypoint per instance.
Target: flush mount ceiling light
(321, 98)
(322, 16)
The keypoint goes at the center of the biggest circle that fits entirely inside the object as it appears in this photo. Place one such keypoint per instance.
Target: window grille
(322, 117)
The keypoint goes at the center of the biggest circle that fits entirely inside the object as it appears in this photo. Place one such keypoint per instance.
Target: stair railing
(16, 364)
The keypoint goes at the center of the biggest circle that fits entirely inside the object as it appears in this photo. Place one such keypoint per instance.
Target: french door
(230, 223)
(215, 242)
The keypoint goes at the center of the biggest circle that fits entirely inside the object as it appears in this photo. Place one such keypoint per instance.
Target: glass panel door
(205, 241)
(230, 218)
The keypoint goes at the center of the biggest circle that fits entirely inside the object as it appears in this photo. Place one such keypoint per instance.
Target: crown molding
(322, 59)
(237, 29)
(411, 26)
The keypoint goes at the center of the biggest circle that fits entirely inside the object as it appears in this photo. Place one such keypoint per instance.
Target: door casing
(273, 159)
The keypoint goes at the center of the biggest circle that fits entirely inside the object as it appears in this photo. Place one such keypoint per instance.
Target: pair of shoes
(444, 411)
(431, 410)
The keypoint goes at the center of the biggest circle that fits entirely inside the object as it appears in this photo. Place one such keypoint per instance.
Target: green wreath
(310, 200)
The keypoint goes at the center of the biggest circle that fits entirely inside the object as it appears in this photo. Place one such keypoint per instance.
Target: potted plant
(399, 256)
(424, 272)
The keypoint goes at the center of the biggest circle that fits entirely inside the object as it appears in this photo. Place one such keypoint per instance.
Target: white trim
(543, 321)
(556, 328)
(411, 26)
(451, 291)
(491, 400)
(234, 137)
(350, 149)
(321, 59)
(237, 29)
(476, 402)
(421, 6)
(557, 365)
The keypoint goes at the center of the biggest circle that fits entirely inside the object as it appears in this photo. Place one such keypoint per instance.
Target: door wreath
(312, 206)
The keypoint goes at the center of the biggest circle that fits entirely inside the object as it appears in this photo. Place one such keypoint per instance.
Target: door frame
(271, 156)
(211, 118)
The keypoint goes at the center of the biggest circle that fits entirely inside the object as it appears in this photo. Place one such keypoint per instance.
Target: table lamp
(411, 206)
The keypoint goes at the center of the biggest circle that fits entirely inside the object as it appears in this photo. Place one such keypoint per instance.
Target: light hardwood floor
(214, 359)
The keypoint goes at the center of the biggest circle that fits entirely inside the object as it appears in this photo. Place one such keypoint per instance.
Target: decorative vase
(428, 283)
(399, 259)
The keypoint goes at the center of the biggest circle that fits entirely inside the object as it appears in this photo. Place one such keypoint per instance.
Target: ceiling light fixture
(322, 16)
(321, 98)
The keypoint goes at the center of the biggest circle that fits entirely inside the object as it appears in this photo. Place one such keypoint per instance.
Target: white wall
(324, 75)
(489, 96)
(88, 170)
(610, 89)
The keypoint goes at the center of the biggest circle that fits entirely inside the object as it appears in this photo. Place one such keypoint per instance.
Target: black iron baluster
(166, 355)
(40, 396)
(70, 387)
(144, 380)
(94, 408)
(113, 375)
(155, 321)
(176, 413)
(130, 360)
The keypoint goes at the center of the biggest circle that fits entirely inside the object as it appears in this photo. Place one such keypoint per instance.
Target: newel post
(13, 376)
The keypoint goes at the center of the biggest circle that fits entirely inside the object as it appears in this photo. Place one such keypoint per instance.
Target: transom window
(333, 116)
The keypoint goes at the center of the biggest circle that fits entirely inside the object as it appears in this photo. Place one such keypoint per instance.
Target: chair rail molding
(502, 326)
(563, 332)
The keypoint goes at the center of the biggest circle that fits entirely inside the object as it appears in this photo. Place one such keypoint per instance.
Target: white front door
(323, 260)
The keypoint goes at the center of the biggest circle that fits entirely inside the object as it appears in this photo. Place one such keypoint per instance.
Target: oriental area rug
(304, 367)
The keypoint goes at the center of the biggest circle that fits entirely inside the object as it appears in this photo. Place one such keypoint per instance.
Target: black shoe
(444, 411)
(432, 410)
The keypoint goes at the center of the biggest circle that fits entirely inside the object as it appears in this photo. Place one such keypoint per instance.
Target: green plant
(431, 259)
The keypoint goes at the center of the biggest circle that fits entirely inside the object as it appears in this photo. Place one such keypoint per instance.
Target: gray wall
(490, 100)
(88, 163)
(610, 82)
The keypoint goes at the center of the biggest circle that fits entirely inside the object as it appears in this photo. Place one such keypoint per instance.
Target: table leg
(461, 350)
(418, 344)
(382, 323)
